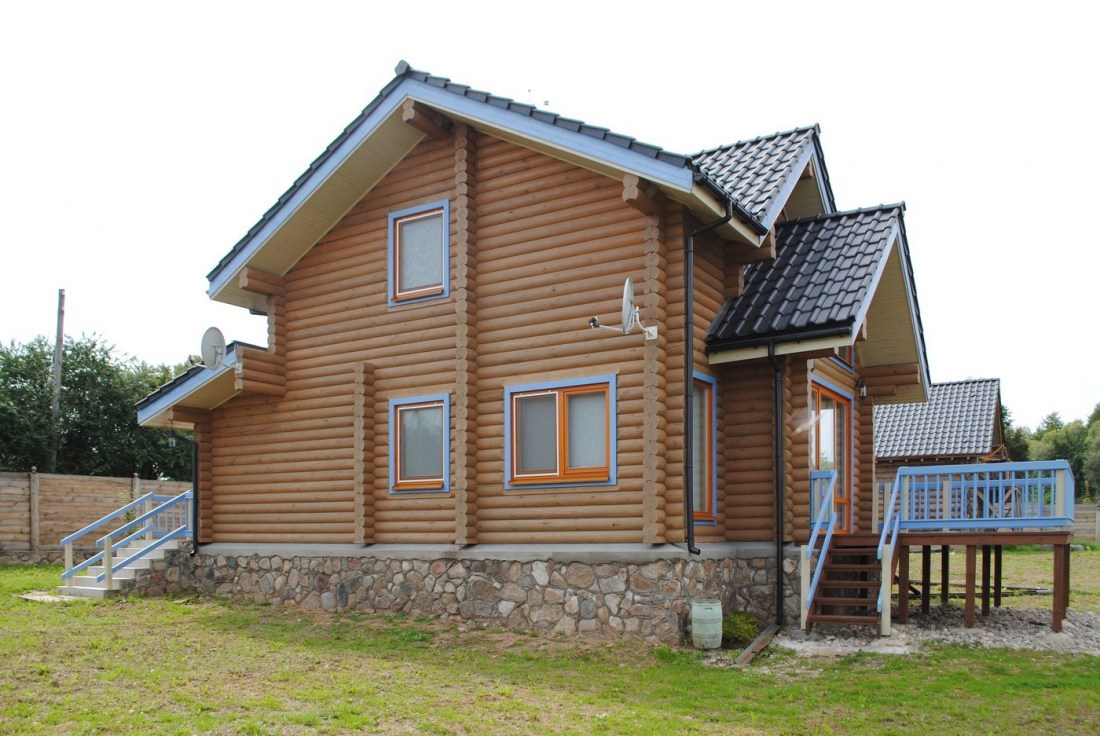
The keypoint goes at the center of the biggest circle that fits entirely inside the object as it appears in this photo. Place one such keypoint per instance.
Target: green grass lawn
(197, 665)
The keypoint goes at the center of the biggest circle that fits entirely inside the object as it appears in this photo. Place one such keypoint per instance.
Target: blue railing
(822, 490)
(1027, 495)
(165, 518)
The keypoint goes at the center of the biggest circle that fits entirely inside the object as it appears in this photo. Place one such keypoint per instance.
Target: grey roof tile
(754, 172)
(958, 419)
(821, 276)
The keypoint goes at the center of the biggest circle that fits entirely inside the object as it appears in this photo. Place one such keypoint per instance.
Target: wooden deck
(990, 543)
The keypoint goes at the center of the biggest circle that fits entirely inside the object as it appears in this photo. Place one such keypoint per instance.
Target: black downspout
(778, 367)
(689, 369)
(194, 485)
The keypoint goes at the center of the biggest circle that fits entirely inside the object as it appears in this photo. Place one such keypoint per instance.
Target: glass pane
(587, 416)
(841, 450)
(421, 442)
(419, 257)
(537, 429)
(700, 449)
(826, 428)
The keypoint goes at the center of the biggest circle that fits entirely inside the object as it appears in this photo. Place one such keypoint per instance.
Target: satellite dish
(629, 311)
(213, 347)
(631, 315)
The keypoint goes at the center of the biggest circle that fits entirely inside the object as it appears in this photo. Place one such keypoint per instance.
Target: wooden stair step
(849, 583)
(837, 618)
(854, 602)
(853, 567)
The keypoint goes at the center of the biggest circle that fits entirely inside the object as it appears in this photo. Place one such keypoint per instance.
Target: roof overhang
(203, 390)
(887, 326)
(378, 141)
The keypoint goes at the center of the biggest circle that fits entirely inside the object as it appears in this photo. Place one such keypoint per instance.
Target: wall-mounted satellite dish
(213, 347)
(630, 312)
(631, 315)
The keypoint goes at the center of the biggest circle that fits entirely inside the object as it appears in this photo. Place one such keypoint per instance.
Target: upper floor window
(419, 240)
(703, 448)
(561, 432)
(420, 443)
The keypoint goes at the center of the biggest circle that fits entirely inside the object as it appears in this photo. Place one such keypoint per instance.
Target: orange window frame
(563, 473)
(843, 494)
(708, 512)
(418, 483)
(432, 290)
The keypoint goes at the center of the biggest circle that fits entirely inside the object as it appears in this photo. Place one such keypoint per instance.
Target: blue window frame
(704, 421)
(420, 444)
(418, 253)
(560, 433)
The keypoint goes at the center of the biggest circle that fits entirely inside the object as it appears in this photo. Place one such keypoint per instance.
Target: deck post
(971, 564)
(903, 585)
(985, 579)
(925, 577)
(945, 573)
(997, 575)
(875, 506)
(1061, 586)
(804, 573)
(108, 563)
(886, 584)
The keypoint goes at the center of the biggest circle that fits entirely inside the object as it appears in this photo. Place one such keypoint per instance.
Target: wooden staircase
(850, 583)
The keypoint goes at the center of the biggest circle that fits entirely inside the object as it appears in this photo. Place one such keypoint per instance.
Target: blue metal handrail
(109, 517)
(825, 507)
(169, 520)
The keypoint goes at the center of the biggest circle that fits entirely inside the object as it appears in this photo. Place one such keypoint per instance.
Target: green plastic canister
(706, 624)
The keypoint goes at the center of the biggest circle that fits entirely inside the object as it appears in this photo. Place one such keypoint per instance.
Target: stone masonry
(650, 600)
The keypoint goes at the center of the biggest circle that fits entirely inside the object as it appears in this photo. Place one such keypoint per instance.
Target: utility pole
(55, 406)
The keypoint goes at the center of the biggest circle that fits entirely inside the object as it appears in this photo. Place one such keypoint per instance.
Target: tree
(97, 428)
(1068, 442)
(1092, 460)
(1015, 438)
(1051, 423)
(1094, 417)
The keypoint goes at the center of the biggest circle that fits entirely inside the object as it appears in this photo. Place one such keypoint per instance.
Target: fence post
(1096, 519)
(36, 504)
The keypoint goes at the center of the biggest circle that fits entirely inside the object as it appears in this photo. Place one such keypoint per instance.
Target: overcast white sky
(140, 141)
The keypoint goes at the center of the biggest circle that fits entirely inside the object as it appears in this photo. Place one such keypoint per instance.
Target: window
(420, 443)
(419, 241)
(830, 433)
(703, 448)
(561, 433)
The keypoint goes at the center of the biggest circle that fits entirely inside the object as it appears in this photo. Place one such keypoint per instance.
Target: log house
(431, 381)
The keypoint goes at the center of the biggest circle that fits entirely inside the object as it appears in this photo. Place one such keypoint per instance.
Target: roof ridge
(816, 128)
(846, 213)
(966, 380)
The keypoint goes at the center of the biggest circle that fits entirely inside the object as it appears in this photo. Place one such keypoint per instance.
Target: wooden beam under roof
(424, 119)
(642, 195)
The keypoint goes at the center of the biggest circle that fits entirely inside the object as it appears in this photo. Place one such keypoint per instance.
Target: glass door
(829, 448)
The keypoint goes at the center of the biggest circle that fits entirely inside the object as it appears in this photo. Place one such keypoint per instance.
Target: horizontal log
(282, 537)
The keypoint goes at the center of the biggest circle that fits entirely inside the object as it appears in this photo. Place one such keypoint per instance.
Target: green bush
(738, 629)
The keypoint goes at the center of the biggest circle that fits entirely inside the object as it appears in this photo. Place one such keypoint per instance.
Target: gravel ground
(1004, 627)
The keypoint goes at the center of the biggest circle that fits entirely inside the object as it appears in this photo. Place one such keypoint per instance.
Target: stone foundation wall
(41, 556)
(650, 601)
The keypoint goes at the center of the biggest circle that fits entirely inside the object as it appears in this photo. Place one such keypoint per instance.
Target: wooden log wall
(747, 450)
(465, 408)
(798, 418)
(537, 247)
(554, 243)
